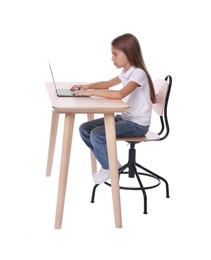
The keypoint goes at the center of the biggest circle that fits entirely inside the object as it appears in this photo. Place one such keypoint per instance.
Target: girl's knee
(82, 128)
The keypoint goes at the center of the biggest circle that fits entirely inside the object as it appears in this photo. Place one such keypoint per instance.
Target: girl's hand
(79, 87)
(82, 92)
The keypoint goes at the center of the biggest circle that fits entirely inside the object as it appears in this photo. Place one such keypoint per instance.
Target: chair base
(132, 172)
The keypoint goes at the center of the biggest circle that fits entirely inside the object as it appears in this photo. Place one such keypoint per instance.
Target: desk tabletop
(82, 104)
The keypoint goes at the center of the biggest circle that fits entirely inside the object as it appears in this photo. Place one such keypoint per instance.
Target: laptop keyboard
(65, 92)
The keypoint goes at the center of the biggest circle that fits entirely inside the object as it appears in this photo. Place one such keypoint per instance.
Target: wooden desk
(80, 105)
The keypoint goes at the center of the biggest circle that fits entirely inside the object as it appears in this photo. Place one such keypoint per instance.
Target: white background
(75, 36)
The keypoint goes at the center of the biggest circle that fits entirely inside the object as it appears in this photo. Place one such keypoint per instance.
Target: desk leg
(93, 159)
(52, 141)
(112, 157)
(66, 148)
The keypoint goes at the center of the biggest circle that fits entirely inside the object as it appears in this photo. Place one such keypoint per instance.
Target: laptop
(62, 92)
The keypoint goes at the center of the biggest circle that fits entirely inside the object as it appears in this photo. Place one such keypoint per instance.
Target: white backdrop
(75, 36)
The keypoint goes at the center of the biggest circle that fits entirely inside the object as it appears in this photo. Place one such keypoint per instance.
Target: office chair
(162, 90)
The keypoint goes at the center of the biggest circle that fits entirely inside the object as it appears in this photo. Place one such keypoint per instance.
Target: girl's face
(119, 58)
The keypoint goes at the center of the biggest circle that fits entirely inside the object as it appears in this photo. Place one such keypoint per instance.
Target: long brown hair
(129, 44)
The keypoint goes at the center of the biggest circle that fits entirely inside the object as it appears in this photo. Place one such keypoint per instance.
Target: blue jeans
(93, 134)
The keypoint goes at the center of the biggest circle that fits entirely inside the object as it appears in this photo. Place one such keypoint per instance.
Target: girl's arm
(98, 85)
(107, 93)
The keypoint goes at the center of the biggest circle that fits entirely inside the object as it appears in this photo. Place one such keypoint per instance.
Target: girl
(137, 92)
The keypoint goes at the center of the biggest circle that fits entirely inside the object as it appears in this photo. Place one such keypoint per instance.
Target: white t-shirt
(139, 101)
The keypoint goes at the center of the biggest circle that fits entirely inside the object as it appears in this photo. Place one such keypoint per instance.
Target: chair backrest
(162, 91)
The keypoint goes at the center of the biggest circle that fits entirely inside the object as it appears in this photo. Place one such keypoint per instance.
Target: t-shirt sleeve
(139, 77)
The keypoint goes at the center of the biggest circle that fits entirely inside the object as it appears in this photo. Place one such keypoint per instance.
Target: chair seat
(150, 136)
